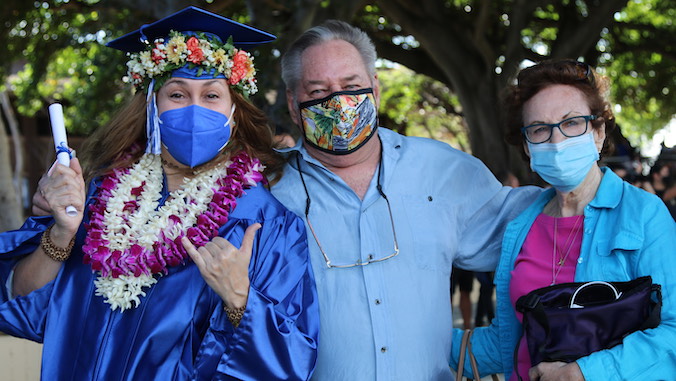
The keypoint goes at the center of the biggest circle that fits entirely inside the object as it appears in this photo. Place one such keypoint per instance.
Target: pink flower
(196, 236)
(130, 206)
(137, 191)
(108, 183)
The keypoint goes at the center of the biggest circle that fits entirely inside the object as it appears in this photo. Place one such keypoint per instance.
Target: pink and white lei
(130, 240)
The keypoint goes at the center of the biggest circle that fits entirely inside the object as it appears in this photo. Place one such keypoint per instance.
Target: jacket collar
(610, 190)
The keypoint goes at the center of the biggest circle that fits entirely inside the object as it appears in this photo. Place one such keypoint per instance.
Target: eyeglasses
(359, 262)
(541, 132)
(580, 71)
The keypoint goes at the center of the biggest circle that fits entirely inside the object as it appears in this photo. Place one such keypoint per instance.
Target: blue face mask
(564, 165)
(194, 135)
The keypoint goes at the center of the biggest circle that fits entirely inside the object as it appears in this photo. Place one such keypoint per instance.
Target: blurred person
(662, 180)
(463, 281)
(659, 178)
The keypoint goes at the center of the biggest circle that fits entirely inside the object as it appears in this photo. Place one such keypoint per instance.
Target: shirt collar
(610, 190)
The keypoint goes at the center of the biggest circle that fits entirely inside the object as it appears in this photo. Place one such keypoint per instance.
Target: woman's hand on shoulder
(225, 267)
(556, 371)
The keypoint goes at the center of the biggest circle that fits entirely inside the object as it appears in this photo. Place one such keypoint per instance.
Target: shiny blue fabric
(628, 233)
(180, 331)
(392, 320)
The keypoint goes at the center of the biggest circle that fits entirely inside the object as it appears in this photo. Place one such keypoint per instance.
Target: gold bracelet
(58, 254)
(235, 315)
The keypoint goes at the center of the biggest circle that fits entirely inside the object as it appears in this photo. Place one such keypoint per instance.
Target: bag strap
(466, 345)
(616, 293)
(463, 348)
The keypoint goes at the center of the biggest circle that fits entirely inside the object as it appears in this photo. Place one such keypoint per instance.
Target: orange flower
(196, 54)
(242, 67)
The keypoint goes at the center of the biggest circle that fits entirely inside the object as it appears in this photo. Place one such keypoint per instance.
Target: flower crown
(205, 52)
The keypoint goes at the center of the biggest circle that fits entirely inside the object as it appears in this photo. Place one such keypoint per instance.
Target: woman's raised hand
(60, 187)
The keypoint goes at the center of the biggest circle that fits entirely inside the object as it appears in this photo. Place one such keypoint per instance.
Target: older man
(387, 215)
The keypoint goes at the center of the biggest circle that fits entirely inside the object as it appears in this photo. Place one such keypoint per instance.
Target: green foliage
(417, 105)
(64, 61)
(640, 63)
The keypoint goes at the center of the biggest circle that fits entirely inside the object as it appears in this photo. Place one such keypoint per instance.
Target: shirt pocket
(619, 255)
(430, 233)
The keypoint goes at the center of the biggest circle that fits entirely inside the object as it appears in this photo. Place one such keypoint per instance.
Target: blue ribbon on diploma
(63, 148)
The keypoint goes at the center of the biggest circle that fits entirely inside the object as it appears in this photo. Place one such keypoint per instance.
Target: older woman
(180, 264)
(589, 226)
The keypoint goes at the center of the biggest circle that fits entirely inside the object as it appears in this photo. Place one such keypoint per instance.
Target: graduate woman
(180, 264)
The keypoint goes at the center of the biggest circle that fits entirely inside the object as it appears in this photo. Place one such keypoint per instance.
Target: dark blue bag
(567, 321)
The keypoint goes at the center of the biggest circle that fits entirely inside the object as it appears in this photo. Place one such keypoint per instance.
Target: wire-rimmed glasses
(570, 127)
(359, 262)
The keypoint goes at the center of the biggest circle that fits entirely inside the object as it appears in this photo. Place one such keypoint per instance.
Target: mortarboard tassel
(152, 122)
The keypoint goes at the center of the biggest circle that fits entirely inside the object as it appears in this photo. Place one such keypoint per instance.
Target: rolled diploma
(60, 142)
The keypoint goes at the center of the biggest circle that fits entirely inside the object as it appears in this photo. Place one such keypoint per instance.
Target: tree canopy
(467, 50)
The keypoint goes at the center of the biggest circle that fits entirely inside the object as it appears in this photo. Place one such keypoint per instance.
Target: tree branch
(575, 36)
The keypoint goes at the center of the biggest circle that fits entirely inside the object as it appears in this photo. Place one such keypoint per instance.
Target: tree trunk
(11, 215)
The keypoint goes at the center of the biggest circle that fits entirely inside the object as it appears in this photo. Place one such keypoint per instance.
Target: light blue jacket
(628, 233)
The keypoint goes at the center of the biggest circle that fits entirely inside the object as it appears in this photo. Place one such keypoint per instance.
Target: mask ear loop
(232, 113)
(231, 123)
(152, 122)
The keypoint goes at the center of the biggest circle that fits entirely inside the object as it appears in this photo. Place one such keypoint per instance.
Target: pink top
(539, 265)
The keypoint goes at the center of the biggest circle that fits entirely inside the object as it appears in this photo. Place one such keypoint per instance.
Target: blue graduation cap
(195, 20)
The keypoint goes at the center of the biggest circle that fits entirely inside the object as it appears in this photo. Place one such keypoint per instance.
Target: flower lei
(129, 239)
(204, 51)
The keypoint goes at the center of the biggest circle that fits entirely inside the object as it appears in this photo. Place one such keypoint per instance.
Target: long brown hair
(108, 147)
(122, 141)
(532, 80)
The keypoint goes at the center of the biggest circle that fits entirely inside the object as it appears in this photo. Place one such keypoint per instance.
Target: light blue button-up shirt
(392, 320)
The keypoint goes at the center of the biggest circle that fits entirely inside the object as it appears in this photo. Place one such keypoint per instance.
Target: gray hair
(327, 31)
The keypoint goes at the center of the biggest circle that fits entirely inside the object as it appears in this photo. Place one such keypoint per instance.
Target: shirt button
(579, 260)
(429, 198)
(370, 257)
(377, 301)
(383, 349)
(587, 231)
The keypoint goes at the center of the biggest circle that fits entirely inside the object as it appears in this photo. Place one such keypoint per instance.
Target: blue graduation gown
(180, 330)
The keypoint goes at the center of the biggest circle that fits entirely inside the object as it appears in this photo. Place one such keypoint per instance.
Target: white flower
(123, 292)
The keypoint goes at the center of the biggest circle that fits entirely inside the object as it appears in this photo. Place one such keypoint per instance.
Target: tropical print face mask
(341, 122)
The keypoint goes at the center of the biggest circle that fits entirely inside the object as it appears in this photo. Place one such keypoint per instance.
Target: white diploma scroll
(60, 142)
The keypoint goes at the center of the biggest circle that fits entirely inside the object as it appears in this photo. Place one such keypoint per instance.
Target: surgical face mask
(565, 164)
(193, 135)
(341, 122)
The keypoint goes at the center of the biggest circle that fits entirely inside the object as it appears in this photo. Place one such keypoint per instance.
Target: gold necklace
(558, 265)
